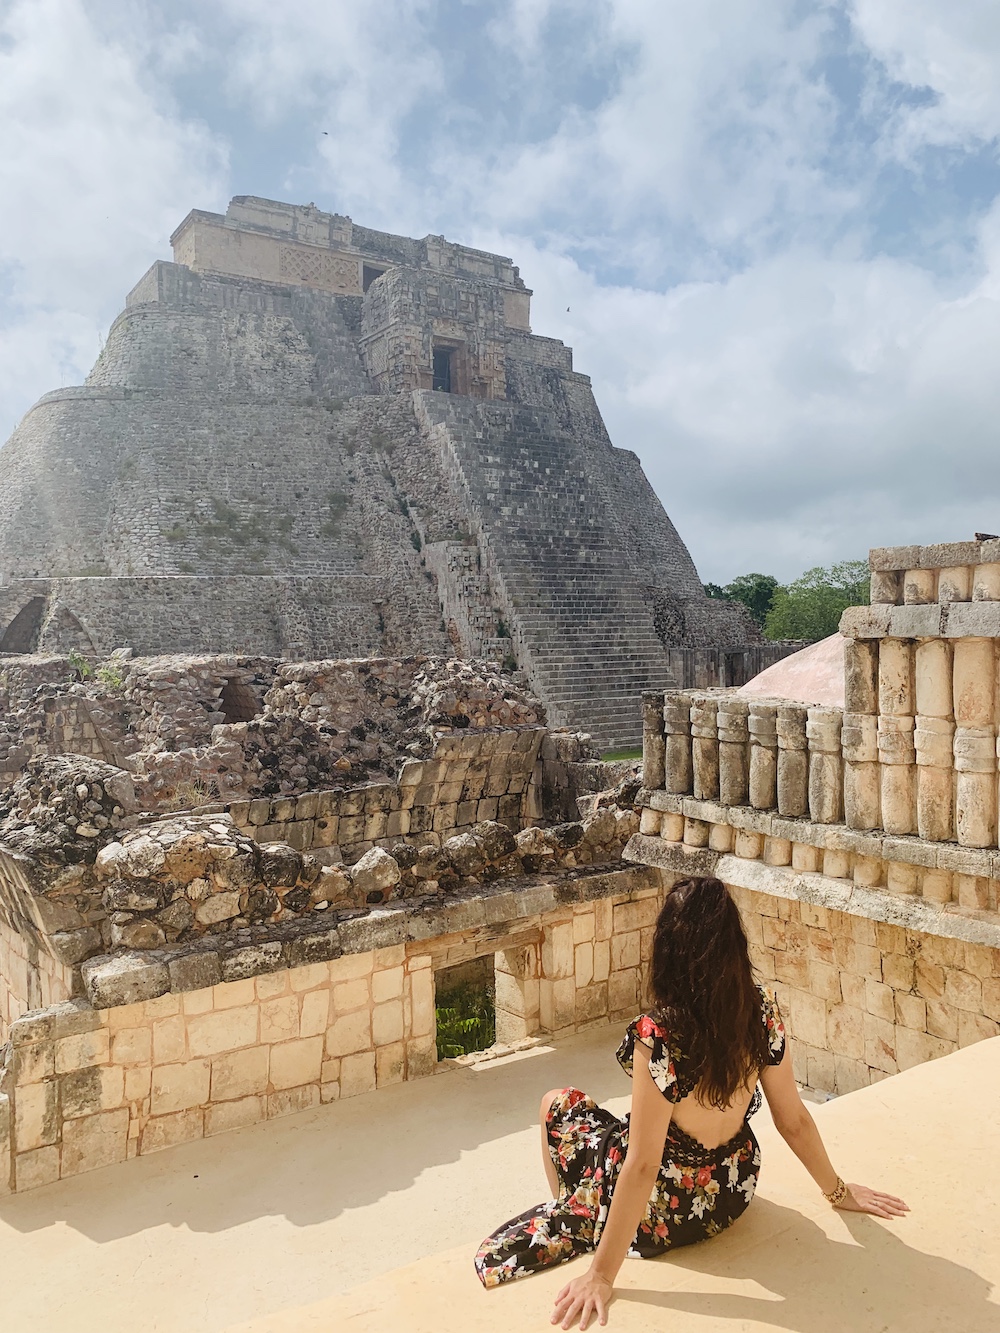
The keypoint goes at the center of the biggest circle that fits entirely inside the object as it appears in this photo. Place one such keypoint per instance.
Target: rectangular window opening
(442, 369)
(465, 1004)
(368, 275)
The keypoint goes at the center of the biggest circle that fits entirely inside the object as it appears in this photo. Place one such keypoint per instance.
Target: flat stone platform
(362, 1216)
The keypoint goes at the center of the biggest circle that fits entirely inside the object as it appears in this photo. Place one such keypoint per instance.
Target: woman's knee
(553, 1095)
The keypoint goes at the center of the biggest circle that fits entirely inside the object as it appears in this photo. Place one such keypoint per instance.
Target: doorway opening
(238, 702)
(369, 273)
(465, 1003)
(442, 369)
(21, 635)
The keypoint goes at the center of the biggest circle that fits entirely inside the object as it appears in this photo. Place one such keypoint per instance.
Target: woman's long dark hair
(703, 986)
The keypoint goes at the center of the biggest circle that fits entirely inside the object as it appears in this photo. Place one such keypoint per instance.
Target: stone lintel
(941, 555)
(947, 620)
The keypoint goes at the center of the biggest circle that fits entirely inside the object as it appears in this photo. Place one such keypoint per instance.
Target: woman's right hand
(861, 1199)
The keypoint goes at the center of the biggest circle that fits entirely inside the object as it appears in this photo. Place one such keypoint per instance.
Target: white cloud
(952, 50)
(351, 70)
(95, 171)
(798, 412)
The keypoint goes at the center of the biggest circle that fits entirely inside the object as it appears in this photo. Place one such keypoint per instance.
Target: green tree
(755, 591)
(811, 606)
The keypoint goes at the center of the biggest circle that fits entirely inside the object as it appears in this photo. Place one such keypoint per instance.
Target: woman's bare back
(710, 1126)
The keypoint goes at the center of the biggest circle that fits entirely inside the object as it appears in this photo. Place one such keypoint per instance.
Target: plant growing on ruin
(337, 504)
(111, 677)
(189, 793)
(466, 1021)
(81, 667)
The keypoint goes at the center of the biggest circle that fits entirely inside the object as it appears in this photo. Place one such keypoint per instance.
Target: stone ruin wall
(321, 765)
(281, 945)
(391, 519)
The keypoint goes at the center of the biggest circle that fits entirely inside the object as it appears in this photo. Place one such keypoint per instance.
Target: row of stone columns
(920, 740)
(914, 752)
(770, 755)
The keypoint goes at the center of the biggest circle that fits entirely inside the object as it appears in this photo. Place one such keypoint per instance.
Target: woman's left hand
(584, 1296)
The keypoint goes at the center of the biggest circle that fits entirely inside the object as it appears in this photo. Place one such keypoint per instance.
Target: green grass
(466, 1021)
(613, 755)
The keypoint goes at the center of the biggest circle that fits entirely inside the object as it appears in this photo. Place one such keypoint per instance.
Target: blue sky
(775, 223)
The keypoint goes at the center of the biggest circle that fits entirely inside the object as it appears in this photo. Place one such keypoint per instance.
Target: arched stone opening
(238, 702)
(21, 635)
(64, 633)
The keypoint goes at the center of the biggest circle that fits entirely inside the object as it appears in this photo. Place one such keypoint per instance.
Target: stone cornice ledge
(499, 908)
(912, 913)
(908, 849)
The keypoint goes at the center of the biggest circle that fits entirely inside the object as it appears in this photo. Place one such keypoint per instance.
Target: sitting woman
(683, 1166)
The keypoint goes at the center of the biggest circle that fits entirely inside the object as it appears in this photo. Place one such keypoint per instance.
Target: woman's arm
(650, 1119)
(797, 1127)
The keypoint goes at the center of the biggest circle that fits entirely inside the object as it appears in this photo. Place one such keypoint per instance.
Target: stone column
(895, 736)
(862, 802)
(705, 746)
(762, 725)
(678, 775)
(793, 761)
(826, 779)
(734, 752)
(933, 736)
(653, 744)
(975, 742)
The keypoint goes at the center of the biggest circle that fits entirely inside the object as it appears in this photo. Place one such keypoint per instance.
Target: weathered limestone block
(955, 584)
(933, 740)
(826, 782)
(895, 678)
(861, 676)
(654, 751)
(705, 747)
(886, 587)
(734, 752)
(678, 772)
(898, 776)
(793, 761)
(973, 683)
(919, 587)
(933, 679)
(986, 583)
(762, 725)
(862, 792)
(975, 786)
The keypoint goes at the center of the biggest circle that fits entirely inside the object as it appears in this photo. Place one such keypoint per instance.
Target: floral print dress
(698, 1192)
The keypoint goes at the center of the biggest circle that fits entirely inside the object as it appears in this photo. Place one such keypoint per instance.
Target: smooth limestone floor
(363, 1216)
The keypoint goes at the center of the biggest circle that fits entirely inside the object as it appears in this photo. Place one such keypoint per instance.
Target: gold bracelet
(837, 1195)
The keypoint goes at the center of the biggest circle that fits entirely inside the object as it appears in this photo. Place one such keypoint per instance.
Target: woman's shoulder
(647, 1027)
(665, 1060)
